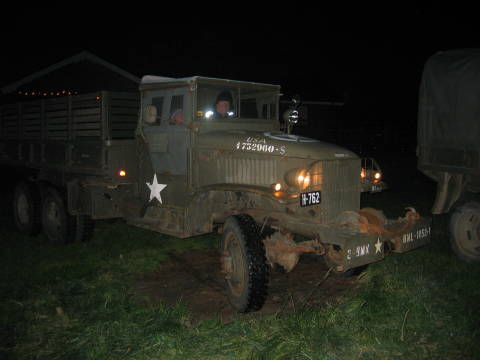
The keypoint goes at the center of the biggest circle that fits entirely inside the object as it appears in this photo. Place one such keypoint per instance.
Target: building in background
(79, 74)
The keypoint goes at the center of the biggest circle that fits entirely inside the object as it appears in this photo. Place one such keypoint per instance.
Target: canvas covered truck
(449, 143)
(165, 160)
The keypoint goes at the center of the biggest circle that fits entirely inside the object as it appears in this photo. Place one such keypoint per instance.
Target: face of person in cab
(178, 118)
(223, 107)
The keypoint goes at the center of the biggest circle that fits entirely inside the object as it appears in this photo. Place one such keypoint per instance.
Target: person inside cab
(177, 117)
(223, 105)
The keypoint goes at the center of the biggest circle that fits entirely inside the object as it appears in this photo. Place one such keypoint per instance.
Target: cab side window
(158, 103)
(153, 112)
(177, 115)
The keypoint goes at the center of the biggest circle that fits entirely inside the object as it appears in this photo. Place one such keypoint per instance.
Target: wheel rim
(23, 209)
(235, 270)
(468, 235)
(53, 219)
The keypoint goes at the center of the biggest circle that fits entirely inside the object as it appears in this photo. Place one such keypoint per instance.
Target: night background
(370, 57)
(138, 294)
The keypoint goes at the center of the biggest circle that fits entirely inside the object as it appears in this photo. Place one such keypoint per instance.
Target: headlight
(277, 187)
(363, 173)
(298, 178)
(370, 175)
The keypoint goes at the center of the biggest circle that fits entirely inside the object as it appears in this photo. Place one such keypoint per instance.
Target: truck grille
(339, 182)
(247, 171)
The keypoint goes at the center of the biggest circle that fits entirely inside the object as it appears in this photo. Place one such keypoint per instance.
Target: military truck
(187, 165)
(449, 143)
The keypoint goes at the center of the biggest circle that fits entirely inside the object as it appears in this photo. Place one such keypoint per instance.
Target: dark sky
(368, 54)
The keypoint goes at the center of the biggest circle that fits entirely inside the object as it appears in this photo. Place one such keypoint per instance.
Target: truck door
(167, 140)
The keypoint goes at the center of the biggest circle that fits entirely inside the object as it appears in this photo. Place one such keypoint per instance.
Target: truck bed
(69, 133)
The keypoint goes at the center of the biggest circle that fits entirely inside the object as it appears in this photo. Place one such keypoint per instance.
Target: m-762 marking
(310, 198)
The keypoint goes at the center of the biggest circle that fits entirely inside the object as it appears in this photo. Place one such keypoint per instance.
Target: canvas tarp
(449, 102)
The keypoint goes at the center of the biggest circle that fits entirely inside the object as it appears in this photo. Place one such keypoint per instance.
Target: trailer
(449, 143)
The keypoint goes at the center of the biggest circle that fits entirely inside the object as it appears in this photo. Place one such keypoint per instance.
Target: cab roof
(153, 81)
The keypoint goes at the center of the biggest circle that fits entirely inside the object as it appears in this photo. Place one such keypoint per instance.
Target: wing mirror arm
(291, 116)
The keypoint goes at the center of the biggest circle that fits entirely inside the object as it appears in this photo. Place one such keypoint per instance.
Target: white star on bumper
(155, 189)
(378, 246)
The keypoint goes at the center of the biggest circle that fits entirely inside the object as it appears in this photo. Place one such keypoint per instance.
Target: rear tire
(27, 208)
(244, 262)
(464, 227)
(57, 224)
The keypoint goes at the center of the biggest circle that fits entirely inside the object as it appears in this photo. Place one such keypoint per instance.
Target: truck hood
(271, 143)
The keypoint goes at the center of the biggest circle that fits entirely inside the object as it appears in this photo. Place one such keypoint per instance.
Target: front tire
(27, 208)
(244, 263)
(465, 231)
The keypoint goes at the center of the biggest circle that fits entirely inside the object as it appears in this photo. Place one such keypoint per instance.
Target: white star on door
(378, 246)
(155, 189)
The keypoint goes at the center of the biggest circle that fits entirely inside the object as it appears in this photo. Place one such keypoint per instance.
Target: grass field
(78, 302)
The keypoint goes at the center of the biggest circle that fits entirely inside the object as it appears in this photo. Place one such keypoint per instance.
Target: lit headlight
(298, 178)
(277, 187)
(370, 175)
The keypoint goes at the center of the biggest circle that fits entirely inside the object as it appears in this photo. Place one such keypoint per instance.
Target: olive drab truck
(449, 143)
(172, 160)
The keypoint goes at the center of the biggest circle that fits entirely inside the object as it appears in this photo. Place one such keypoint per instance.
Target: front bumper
(354, 238)
(395, 236)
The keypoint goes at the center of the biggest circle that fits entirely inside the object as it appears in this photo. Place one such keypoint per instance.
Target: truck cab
(201, 154)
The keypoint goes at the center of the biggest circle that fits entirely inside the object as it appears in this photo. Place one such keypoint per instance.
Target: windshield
(223, 102)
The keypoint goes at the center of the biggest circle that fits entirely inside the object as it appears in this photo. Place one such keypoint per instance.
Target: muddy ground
(194, 278)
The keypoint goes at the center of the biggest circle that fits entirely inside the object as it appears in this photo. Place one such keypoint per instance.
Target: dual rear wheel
(26, 208)
(35, 209)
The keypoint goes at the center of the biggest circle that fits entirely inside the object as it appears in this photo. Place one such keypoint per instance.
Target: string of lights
(47, 93)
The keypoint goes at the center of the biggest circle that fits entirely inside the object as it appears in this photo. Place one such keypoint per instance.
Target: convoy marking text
(259, 145)
(416, 235)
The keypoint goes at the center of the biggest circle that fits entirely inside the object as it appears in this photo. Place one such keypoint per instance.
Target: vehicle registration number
(310, 198)
(376, 188)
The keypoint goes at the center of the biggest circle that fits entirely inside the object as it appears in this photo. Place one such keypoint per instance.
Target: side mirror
(150, 114)
(291, 116)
